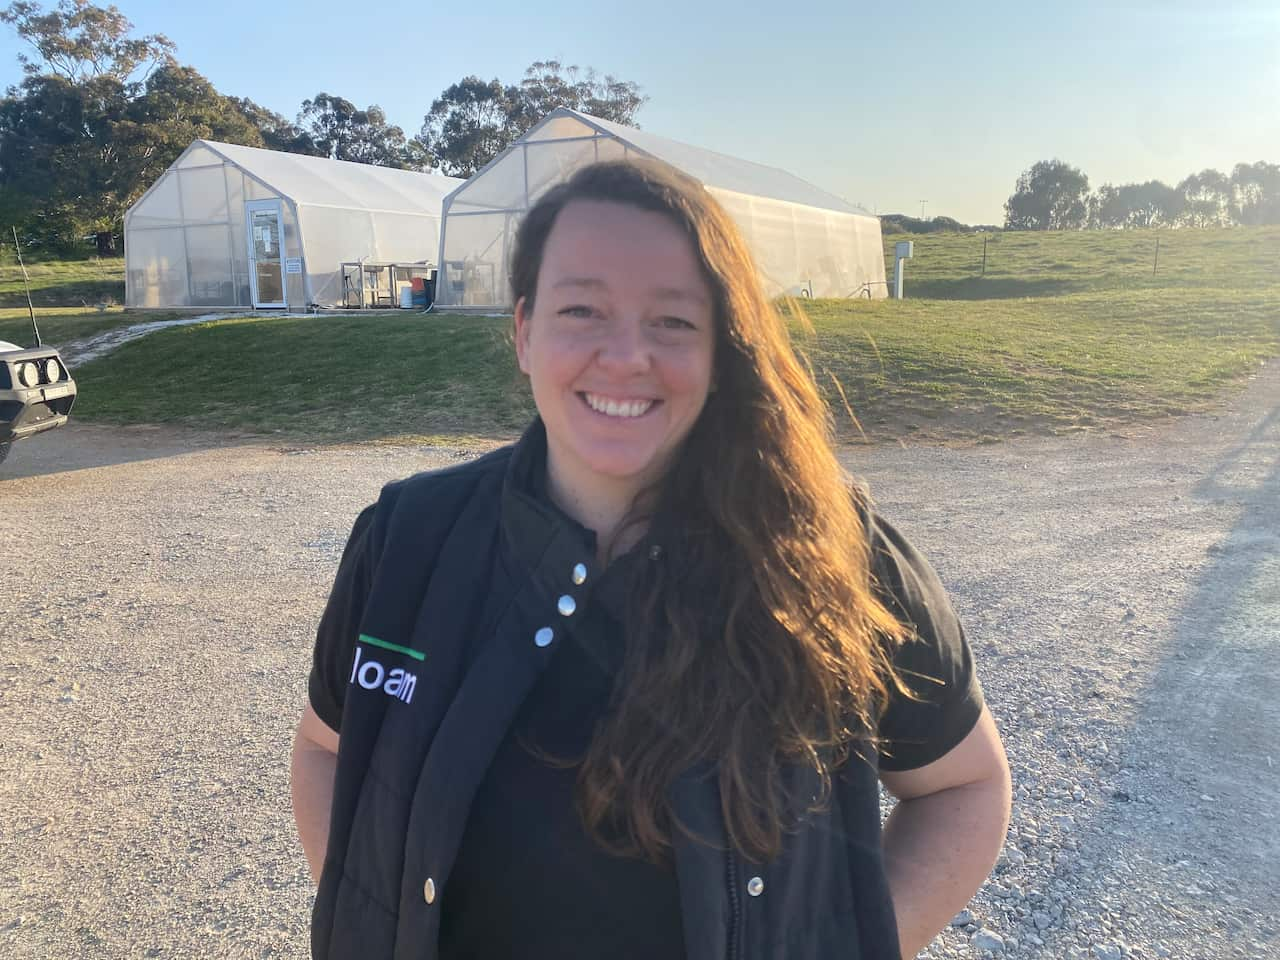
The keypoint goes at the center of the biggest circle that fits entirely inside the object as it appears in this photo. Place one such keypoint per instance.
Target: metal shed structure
(233, 226)
(805, 241)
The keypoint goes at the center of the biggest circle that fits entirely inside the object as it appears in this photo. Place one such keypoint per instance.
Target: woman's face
(619, 344)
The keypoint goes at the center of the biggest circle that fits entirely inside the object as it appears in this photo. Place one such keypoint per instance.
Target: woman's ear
(522, 335)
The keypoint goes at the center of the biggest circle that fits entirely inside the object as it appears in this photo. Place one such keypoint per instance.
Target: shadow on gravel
(80, 446)
(1205, 740)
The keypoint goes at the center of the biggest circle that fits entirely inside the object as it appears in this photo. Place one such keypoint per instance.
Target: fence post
(984, 255)
(1157, 260)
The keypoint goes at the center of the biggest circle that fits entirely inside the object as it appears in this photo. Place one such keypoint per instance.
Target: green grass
(322, 378)
(948, 266)
(1066, 330)
(64, 283)
(978, 369)
(61, 325)
(65, 294)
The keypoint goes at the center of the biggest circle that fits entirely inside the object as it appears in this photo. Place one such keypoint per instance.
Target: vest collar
(546, 541)
(530, 521)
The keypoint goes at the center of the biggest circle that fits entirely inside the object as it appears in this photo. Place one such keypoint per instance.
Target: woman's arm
(315, 760)
(945, 834)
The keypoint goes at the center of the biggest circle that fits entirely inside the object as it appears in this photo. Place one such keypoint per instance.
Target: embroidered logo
(372, 675)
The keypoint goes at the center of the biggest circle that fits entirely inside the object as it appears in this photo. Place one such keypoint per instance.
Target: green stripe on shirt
(385, 645)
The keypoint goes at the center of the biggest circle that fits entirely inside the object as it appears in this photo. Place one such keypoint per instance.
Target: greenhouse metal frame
(805, 242)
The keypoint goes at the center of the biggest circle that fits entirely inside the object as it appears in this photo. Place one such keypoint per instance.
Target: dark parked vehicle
(36, 392)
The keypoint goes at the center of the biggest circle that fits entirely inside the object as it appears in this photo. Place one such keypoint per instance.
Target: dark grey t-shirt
(937, 665)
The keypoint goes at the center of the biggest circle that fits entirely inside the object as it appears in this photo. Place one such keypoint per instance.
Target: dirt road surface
(159, 591)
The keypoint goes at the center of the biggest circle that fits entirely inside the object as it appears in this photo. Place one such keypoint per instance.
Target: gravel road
(1122, 595)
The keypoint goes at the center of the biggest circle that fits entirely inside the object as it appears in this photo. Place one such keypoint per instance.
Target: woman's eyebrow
(679, 293)
(590, 282)
(659, 293)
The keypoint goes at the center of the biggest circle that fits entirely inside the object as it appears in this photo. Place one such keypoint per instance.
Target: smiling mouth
(621, 409)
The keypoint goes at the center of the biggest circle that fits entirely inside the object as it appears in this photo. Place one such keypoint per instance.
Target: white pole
(902, 250)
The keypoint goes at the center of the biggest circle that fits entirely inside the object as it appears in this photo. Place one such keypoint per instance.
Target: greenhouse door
(266, 256)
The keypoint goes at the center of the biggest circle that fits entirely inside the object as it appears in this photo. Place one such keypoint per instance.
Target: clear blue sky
(884, 107)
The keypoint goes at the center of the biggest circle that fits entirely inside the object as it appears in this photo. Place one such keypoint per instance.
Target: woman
(628, 687)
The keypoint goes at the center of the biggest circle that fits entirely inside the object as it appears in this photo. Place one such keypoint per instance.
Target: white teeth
(612, 408)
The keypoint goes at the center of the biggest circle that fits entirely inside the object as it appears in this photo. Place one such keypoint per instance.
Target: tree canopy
(1051, 195)
(1048, 196)
(75, 154)
(79, 41)
(277, 131)
(474, 120)
(101, 113)
(1150, 204)
(340, 131)
(1255, 193)
(470, 123)
(97, 118)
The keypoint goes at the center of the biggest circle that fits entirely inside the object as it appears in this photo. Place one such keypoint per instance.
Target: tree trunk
(106, 243)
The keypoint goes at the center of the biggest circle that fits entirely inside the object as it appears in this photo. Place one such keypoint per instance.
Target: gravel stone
(182, 576)
(987, 940)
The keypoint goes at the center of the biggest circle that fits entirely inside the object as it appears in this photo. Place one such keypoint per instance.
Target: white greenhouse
(232, 226)
(805, 241)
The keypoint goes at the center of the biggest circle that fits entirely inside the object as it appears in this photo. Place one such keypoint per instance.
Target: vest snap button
(566, 605)
(579, 573)
(755, 886)
(429, 891)
(544, 637)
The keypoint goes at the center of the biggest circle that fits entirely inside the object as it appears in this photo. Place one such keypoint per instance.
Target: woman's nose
(624, 347)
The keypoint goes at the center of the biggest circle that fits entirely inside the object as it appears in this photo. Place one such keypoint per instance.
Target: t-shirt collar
(541, 534)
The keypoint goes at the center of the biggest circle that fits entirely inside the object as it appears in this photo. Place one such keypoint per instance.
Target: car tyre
(4, 449)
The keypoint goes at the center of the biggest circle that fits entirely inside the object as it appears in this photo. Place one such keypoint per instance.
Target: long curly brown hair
(758, 642)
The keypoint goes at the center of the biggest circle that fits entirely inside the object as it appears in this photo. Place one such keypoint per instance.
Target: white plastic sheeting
(805, 241)
(187, 240)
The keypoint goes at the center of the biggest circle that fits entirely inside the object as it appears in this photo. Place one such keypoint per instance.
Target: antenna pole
(26, 282)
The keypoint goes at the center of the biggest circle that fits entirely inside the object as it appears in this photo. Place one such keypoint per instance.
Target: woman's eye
(676, 323)
(577, 310)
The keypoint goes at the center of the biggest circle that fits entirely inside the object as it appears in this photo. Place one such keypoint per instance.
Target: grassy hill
(1031, 264)
(63, 283)
(66, 294)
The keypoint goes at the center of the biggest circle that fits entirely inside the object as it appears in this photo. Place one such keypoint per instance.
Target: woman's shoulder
(884, 541)
(935, 661)
(899, 570)
(456, 481)
(428, 503)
